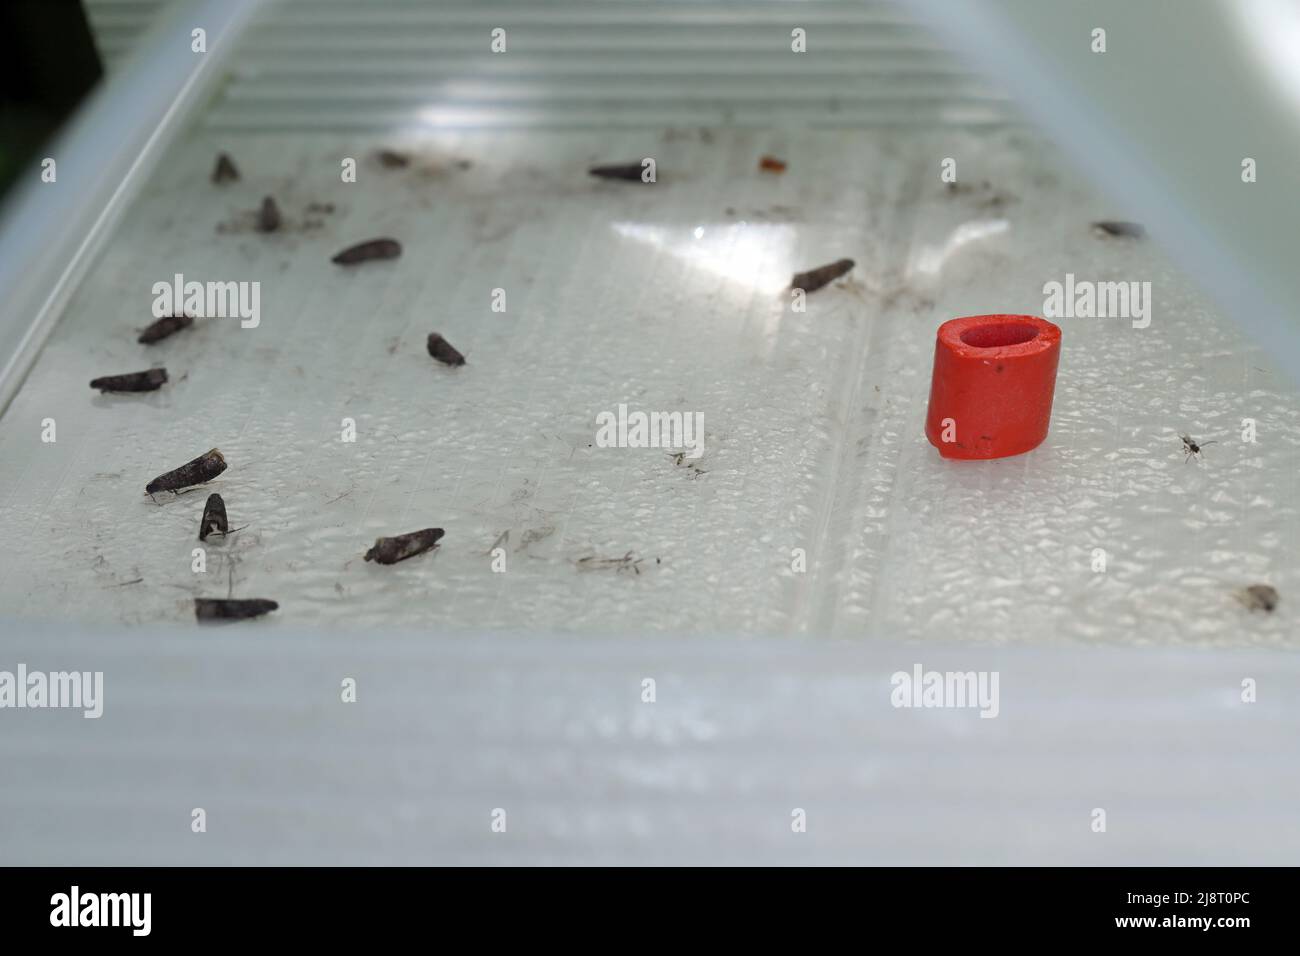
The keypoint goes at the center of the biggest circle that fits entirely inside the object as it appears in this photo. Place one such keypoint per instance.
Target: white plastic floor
(666, 297)
(524, 690)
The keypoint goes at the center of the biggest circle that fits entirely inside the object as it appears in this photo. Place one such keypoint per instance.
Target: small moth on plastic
(147, 381)
(366, 251)
(204, 468)
(403, 546)
(815, 279)
(444, 351)
(232, 609)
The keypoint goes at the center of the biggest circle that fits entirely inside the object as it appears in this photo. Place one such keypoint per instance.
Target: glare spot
(757, 256)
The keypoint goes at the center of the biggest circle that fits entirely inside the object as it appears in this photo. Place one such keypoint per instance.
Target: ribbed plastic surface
(313, 64)
(445, 731)
(666, 297)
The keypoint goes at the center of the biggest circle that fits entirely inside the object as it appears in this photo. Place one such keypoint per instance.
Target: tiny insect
(1128, 230)
(630, 172)
(168, 325)
(770, 164)
(204, 468)
(147, 381)
(443, 350)
(679, 458)
(391, 159)
(365, 251)
(232, 609)
(1193, 448)
(1259, 597)
(403, 546)
(814, 279)
(625, 563)
(214, 518)
(268, 217)
(224, 171)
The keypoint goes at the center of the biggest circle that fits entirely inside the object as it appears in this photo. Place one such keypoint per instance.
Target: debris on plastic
(1126, 230)
(1259, 597)
(626, 563)
(268, 217)
(392, 159)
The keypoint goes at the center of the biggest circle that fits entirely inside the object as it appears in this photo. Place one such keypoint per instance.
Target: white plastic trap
(817, 510)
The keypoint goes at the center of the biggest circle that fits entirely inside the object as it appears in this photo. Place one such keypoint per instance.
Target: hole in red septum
(1000, 335)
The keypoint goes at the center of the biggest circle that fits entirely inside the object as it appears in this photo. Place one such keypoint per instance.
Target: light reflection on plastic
(1273, 26)
(931, 259)
(454, 117)
(756, 255)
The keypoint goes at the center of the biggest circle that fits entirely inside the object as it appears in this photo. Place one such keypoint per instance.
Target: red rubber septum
(991, 393)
